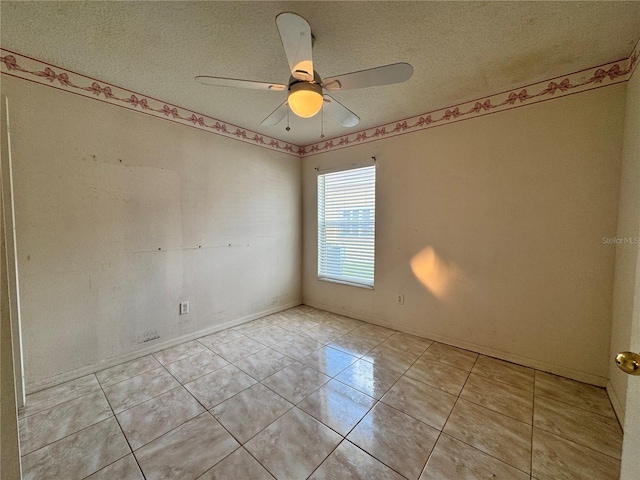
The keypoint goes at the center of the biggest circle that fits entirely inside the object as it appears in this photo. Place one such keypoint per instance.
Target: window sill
(344, 282)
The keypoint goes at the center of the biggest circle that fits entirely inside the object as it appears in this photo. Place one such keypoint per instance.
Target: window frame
(322, 274)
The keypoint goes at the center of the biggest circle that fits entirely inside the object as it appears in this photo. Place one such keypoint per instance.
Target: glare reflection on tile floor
(309, 394)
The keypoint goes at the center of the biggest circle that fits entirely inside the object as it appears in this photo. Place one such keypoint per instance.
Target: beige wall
(121, 216)
(504, 217)
(626, 281)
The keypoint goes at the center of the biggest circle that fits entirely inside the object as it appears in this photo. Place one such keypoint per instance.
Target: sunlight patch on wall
(437, 275)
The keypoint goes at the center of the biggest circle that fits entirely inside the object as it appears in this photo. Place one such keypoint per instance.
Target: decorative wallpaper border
(634, 59)
(588, 79)
(27, 68)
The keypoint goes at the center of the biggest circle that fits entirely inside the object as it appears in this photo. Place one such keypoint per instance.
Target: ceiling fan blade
(394, 73)
(295, 34)
(339, 112)
(277, 115)
(234, 82)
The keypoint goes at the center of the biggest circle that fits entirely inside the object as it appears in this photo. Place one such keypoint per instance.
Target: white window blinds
(346, 226)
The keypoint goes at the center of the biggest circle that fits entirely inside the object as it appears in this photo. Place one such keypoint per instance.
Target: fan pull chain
(288, 128)
(322, 122)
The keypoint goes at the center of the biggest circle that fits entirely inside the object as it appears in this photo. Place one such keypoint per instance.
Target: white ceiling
(460, 50)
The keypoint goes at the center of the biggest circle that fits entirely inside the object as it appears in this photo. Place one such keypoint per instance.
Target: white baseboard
(118, 359)
(578, 375)
(617, 405)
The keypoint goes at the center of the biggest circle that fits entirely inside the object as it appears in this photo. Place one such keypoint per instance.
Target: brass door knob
(629, 362)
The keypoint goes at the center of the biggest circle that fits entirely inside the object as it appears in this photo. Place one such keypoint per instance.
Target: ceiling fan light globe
(305, 99)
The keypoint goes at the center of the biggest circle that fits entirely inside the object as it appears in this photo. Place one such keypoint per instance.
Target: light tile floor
(309, 394)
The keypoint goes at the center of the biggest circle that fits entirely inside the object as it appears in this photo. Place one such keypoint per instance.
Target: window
(346, 226)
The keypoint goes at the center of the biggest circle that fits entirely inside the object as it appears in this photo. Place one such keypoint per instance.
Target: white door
(631, 443)
(12, 258)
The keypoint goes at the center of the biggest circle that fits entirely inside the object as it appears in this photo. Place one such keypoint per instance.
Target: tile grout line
(229, 433)
(200, 414)
(180, 385)
(155, 398)
(385, 368)
(72, 433)
(265, 427)
(179, 359)
(134, 376)
(146, 371)
(501, 382)
(378, 401)
(147, 399)
(123, 435)
(232, 396)
(204, 374)
(61, 403)
(576, 406)
(449, 415)
(462, 441)
(534, 396)
(487, 454)
(563, 437)
(241, 447)
(578, 444)
(273, 373)
(345, 439)
(494, 411)
(601, 389)
(575, 443)
(67, 436)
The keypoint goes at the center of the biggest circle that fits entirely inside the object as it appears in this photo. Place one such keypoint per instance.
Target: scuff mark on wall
(148, 336)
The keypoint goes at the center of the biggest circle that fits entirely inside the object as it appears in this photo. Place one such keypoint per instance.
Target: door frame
(12, 252)
(630, 461)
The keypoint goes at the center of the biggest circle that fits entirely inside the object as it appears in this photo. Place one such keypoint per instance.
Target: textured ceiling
(460, 50)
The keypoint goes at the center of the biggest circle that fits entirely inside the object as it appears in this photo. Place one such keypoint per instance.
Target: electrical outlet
(184, 308)
(400, 299)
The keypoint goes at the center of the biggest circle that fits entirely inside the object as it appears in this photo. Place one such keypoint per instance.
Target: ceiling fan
(306, 90)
